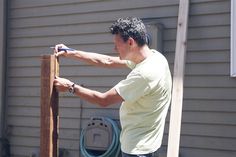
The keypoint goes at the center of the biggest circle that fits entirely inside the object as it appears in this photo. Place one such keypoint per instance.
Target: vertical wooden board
(46, 121)
(55, 109)
(178, 79)
(49, 107)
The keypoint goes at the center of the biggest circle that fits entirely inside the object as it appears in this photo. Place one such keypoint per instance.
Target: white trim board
(233, 40)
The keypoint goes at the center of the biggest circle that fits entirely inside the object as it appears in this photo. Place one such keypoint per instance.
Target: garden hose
(112, 151)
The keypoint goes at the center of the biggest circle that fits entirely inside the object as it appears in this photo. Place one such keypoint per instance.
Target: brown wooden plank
(178, 79)
(49, 107)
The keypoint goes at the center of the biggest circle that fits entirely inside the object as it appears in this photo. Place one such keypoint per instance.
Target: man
(145, 93)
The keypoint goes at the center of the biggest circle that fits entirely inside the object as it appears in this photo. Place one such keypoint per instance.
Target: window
(154, 31)
(233, 39)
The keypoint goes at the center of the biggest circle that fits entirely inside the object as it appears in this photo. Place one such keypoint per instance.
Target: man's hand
(60, 53)
(62, 84)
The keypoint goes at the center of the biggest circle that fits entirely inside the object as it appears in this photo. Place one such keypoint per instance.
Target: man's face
(121, 47)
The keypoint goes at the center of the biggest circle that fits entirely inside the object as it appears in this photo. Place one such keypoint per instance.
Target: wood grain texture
(178, 80)
(49, 107)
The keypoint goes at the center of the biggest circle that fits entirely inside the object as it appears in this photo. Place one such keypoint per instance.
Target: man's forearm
(97, 59)
(95, 97)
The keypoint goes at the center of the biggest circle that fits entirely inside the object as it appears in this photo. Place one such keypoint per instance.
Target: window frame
(233, 40)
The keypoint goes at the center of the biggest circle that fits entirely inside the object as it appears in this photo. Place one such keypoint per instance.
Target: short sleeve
(132, 88)
(130, 64)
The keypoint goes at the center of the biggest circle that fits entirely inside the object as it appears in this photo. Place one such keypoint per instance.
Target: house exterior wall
(208, 124)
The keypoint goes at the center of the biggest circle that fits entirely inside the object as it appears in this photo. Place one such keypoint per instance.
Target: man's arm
(92, 96)
(102, 99)
(97, 59)
(91, 58)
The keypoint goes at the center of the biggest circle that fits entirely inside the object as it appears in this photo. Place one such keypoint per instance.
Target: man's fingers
(56, 81)
(57, 51)
(60, 53)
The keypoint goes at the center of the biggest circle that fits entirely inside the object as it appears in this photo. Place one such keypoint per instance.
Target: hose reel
(100, 138)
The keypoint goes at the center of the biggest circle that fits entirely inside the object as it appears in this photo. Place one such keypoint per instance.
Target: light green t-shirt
(147, 93)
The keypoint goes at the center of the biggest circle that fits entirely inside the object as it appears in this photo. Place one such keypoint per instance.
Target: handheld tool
(63, 49)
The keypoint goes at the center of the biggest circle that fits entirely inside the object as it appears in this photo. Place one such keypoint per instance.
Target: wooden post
(178, 79)
(49, 107)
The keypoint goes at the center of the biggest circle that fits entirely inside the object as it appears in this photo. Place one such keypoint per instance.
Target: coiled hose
(112, 151)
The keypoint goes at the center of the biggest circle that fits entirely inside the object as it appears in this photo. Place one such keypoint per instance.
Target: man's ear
(131, 41)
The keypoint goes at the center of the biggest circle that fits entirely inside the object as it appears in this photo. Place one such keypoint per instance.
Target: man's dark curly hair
(130, 27)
